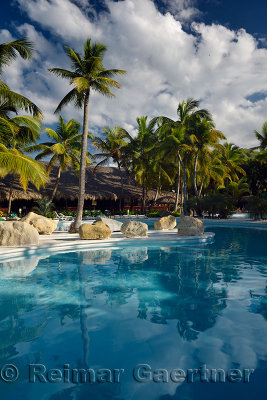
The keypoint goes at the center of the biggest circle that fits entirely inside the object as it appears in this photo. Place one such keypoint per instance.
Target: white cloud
(165, 64)
(62, 17)
(183, 10)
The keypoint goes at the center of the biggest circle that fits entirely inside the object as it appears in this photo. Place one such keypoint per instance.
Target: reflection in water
(172, 307)
(96, 256)
(24, 267)
(134, 255)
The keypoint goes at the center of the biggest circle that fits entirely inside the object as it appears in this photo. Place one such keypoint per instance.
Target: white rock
(17, 233)
(190, 226)
(99, 230)
(134, 229)
(113, 224)
(163, 223)
(45, 226)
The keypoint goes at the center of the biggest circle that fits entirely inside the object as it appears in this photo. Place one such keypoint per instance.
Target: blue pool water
(168, 307)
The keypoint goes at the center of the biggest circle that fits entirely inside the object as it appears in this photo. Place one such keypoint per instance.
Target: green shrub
(44, 207)
(176, 213)
(213, 204)
(153, 214)
(257, 206)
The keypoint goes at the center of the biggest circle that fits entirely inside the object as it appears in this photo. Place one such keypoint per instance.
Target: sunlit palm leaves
(9, 52)
(63, 150)
(13, 161)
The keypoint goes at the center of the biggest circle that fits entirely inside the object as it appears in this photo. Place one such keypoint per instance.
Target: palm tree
(175, 145)
(87, 74)
(238, 189)
(212, 171)
(113, 148)
(9, 52)
(232, 157)
(262, 137)
(64, 148)
(187, 111)
(204, 137)
(13, 161)
(15, 133)
(140, 152)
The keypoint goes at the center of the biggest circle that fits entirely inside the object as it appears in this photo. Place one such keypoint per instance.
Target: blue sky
(213, 50)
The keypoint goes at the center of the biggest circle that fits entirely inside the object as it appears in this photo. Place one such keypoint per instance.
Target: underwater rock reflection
(99, 257)
(24, 267)
(135, 254)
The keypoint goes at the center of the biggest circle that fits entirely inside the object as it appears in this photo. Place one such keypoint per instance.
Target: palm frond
(10, 51)
(19, 102)
(63, 73)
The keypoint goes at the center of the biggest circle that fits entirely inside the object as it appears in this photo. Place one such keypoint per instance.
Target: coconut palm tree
(88, 74)
(187, 111)
(140, 152)
(64, 149)
(9, 52)
(15, 133)
(262, 137)
(176, 146)
(13, 161)
(113, 147)
(238, 189)
(203, 138)
(212, 171)
(232, 157)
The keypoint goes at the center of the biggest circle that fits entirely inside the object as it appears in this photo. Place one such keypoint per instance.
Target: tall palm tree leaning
(8, 53)
(64, 149)
(87, 74)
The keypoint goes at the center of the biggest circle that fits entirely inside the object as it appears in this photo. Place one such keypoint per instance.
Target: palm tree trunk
(10, 195)
(122, 185)
(184, 184)
(57, 182)
(201, 187)
(143, 199)
(157, 191)
(82, 176)
(177, 187)
(195, 175)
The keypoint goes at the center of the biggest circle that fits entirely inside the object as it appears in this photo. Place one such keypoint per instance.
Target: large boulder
(17, 233)
(115, 226)
(190, 226)
(163, 223)
(45, 226)
(134, 229)
(99, 230)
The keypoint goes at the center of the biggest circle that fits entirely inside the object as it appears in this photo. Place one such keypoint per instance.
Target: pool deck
(63, 242)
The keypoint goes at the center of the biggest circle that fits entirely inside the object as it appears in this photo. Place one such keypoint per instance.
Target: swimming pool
(167, 307)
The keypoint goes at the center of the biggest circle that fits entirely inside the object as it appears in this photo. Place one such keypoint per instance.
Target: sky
(211, 50)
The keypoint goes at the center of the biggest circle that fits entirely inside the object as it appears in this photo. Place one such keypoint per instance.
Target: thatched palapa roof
(102, 184)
